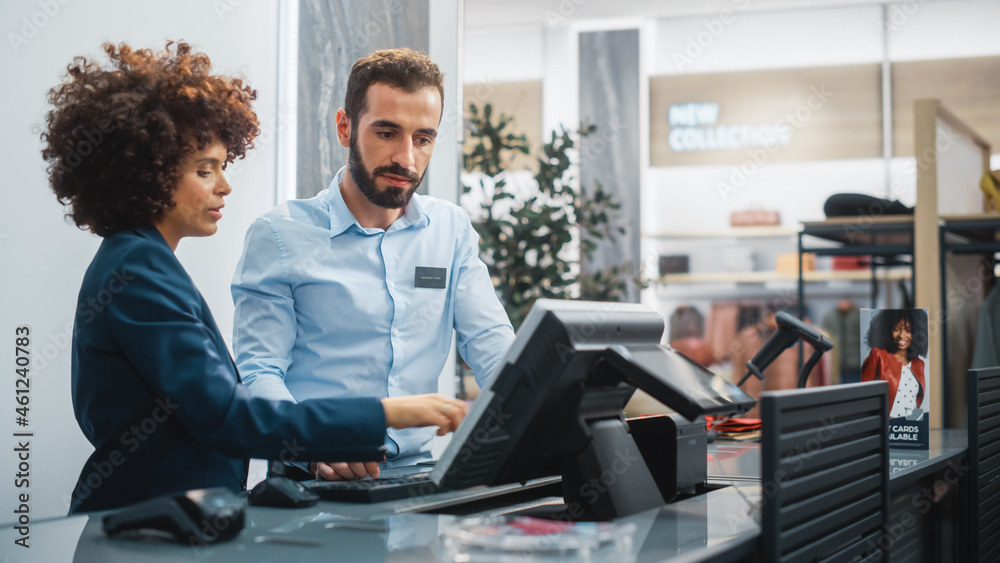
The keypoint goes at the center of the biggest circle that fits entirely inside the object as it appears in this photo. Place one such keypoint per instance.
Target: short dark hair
(403, 68)
(117, 133)
(880, 331)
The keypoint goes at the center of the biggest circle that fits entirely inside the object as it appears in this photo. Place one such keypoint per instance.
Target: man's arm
(484, 331)
(264, 322)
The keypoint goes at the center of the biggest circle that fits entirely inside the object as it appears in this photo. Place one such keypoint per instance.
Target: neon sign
(695, 129)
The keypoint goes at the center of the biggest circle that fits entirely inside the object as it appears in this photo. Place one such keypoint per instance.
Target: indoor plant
(533, 238)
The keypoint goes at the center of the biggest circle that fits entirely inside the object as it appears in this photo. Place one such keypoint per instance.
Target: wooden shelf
(735, 232)
(894, 230)
(880, 220)
(968, 230)
(763, 277)
(970, 217)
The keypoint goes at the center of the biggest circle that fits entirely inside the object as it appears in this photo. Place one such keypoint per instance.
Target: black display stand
(609, 478)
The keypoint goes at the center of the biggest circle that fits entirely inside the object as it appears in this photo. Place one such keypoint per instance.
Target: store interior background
(757, 62)
(524, 53)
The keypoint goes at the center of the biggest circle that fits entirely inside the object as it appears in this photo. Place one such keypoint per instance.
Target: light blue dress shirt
(328, 308)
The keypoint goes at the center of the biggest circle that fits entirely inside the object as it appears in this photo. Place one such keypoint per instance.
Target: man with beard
(355, 292)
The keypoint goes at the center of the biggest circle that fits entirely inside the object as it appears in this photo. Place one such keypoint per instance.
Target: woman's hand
(424, 410)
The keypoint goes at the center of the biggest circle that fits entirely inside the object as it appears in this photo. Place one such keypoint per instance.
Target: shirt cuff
(303, 465)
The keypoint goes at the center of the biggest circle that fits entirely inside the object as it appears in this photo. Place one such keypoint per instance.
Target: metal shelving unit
(888, 241)
(964, 235)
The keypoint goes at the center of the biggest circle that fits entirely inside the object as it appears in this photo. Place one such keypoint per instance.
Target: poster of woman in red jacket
(897, 340)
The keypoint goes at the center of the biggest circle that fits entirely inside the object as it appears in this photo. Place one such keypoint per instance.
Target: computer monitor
(555, 407)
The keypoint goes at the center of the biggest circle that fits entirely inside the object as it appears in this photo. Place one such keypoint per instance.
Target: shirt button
(395, 332)
(392, 284)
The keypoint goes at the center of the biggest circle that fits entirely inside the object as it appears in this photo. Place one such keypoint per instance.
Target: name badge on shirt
(432, 278)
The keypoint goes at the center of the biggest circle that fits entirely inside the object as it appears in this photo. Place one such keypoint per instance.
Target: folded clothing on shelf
(755, 218)
(851, 262)
(788, 262)
(674, 264)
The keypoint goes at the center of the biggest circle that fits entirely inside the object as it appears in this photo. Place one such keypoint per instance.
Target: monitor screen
(571, 369)
(678, 381)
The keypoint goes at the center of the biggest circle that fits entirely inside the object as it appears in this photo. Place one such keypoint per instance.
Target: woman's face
(198, 199)
(902, 335)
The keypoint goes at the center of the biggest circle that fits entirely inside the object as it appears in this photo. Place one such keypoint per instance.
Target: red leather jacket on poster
(881, 364)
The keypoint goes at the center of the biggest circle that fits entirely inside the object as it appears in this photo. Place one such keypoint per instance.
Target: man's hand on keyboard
(424, 410)
(344, 470)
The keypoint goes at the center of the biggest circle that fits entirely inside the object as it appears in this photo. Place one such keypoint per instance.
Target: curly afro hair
(117, 133)
(880, 331)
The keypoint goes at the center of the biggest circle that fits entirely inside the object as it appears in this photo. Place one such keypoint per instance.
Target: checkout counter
(925, 524)
(561, 392)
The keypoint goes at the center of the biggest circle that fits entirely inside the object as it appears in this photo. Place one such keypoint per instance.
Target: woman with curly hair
(136, 149)
(898, 339)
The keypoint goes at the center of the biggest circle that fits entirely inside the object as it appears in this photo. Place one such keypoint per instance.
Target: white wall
(747, 38)
(797, 189)
(744, 40)
(44, 258)
(943, 30)
(509, 53)
(800, 38)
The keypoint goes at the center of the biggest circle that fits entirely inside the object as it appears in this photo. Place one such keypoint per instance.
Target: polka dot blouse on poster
(906, 394)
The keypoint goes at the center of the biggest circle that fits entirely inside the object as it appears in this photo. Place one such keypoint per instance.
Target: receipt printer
(675, 450)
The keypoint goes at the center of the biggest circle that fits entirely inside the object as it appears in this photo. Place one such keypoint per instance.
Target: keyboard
(383, 489)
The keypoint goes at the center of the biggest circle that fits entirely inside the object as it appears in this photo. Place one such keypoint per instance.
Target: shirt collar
(342, 219)
(413, 214)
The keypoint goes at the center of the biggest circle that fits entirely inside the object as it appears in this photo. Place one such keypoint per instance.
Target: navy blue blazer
(157, 394)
